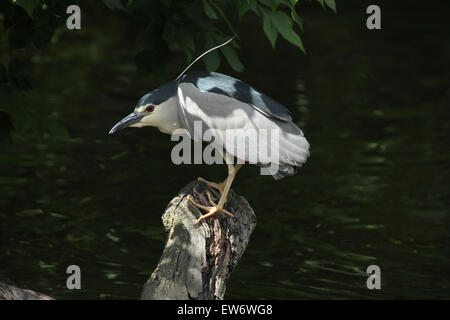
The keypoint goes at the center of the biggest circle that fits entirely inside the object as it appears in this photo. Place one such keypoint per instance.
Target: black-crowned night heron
(222, 103)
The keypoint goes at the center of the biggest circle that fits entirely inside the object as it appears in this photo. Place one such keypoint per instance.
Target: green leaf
(209, 11)
(331, 4)
(291, 36)
(232, 58)
(212, 61)
(296, 17)
(273, 5)
(224, 17)
(321, 3)
(28, 5)
(283, 24)
(188, 55)
(269, 29)
(244, 6)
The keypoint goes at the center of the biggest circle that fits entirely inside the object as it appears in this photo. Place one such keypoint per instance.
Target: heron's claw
(215, 185)
(211, 210)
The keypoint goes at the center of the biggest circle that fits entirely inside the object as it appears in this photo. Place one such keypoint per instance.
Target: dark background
(373, 105)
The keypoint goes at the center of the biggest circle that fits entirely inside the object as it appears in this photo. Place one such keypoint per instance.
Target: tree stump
(198, 259)
(8, 292)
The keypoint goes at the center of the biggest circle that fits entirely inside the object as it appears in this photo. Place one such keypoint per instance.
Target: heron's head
(157, 109)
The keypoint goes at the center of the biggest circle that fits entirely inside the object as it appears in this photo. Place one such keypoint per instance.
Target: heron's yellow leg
(219, 185)
(232, 170)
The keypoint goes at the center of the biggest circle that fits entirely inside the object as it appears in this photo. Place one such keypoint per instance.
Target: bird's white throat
(165, 117)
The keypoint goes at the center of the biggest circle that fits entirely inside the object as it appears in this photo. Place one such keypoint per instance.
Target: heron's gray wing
(223, 114)
(222, 84)
(201, 111)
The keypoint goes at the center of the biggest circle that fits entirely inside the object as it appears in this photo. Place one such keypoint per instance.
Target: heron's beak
(130, 119)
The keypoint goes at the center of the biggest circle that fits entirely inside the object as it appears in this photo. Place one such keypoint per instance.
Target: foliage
(194, 26)
(163, 28)
(25, 26)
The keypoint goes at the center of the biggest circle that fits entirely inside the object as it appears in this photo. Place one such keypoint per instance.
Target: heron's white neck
(165, 117)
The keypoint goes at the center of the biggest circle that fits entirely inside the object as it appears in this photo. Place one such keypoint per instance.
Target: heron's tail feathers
(294, 154)
(285, 171)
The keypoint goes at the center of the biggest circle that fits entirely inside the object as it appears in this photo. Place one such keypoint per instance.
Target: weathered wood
(8, 292)
(198, 259)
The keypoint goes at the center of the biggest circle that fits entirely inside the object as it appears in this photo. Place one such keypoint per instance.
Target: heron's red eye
(150, 108)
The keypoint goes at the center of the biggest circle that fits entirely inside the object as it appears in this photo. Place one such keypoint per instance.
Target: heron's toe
(215, 185)
(210, 210)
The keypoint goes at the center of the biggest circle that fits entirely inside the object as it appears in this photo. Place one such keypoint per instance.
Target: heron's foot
(211, 210)
(215, 185)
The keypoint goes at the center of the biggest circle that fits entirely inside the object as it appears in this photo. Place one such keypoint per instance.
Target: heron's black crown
(159, 95)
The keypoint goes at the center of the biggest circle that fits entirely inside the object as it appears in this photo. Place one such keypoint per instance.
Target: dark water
(374, 106)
